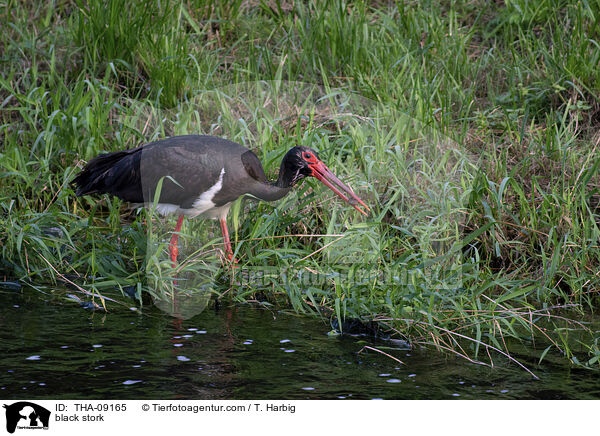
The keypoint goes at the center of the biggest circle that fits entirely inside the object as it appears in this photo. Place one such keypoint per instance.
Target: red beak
(321, 172)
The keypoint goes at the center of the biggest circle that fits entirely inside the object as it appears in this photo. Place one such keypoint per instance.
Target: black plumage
(189, 165)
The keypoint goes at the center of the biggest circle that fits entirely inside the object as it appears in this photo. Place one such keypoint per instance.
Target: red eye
(308, 156)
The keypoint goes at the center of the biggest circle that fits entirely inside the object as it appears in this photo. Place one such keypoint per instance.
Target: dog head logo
(26, 415)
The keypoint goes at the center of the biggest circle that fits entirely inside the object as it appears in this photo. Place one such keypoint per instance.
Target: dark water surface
(54, 350)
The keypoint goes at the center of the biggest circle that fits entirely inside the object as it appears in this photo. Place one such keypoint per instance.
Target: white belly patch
(202, 204)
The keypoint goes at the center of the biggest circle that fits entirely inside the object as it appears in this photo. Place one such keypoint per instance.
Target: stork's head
(301, 162)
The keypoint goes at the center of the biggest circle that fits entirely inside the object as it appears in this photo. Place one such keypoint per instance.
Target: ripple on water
(222, 367)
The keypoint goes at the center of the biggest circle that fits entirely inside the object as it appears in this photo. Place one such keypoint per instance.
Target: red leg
(228, 250)
(173, 249)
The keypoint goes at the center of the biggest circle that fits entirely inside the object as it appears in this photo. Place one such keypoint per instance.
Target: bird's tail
(116, 173)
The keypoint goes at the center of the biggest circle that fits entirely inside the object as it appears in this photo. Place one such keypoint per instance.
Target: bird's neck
(269, 191)
(276, 190)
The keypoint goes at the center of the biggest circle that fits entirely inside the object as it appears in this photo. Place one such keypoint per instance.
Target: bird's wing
(186, 169)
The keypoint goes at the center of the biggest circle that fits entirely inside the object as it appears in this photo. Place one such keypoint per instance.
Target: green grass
(471, 129)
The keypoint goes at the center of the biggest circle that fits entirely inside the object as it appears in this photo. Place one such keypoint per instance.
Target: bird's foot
(232, 267)
(233, 263)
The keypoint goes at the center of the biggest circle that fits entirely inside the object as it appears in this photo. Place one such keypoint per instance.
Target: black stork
(201, 175)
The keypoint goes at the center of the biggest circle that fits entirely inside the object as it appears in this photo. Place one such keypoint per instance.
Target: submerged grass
(470, 128)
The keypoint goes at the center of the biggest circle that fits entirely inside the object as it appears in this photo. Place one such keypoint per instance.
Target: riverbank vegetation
(470, 128)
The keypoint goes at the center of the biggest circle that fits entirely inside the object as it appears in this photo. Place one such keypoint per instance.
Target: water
(59, 350)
